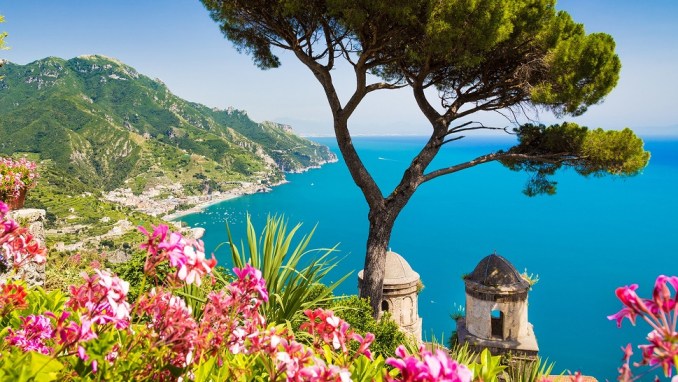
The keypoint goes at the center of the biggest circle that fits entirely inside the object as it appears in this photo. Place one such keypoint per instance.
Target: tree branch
(460, 128)
(383, 85)
(546, 158)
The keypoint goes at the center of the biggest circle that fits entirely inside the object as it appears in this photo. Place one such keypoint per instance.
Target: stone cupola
(401, 285)
(496, 309)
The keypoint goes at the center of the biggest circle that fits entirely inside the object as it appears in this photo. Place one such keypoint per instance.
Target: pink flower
(320, 372)
(171, 325)
(250, 279)
(661, 313)
(194, 265)
(624, 313)
(232, 319)
(364, 344)
(661, 351)
(329, 328)
(18, 245)
(426, 367)
(186, 255)
(101, 300)
(662, 295)
(292, 358)
(577, 377)
(174, 247)
(35, 329)
(627, 295)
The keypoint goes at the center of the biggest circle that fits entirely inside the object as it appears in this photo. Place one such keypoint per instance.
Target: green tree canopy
(542, 150)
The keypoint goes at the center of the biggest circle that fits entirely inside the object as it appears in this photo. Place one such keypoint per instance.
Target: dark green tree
(459, 57)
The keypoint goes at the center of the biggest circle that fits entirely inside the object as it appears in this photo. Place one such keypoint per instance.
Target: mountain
(108, 126)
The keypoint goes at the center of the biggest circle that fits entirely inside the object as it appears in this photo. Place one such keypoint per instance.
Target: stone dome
(397, 271)
(495, 272)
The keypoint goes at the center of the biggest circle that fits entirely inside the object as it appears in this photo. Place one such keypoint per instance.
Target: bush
(358, 313)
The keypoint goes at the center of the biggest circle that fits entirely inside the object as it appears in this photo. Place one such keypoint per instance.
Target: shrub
(358, 313)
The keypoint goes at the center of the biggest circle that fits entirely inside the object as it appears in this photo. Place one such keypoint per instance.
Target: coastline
(152, 202)
(232, 194)
(244, 190)
(218, 198)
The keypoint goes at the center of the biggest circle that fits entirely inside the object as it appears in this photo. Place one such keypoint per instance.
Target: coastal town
(170, 202)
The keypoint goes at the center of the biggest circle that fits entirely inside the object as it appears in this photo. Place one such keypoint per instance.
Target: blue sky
(176, 41)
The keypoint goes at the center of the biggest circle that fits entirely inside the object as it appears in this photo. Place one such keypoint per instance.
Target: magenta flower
(194, 264)
(662, 295)
(170, 324)
(324, 325)
(186, 255)
(17, 244)
(320, 372)
(102, 300)
(426, 367)
(661, 313)
(35, 329)
(251, 279)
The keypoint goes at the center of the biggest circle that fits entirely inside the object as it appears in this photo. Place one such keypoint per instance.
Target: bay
(594, 235)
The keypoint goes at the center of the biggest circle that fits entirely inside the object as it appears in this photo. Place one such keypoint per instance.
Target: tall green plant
(462, 354)
(290, 282)
(530, 371)
(489, 367)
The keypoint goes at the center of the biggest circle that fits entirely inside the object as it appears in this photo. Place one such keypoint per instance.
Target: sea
(594, 235)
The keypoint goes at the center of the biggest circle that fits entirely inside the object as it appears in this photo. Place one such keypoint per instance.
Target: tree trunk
(379, 235)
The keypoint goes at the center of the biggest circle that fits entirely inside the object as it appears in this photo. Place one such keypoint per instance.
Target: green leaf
(43, 368)
(293, 275)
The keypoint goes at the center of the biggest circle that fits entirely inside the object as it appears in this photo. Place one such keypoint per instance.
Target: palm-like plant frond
(292, 277)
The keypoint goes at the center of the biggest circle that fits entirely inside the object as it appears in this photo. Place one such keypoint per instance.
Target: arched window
(497, 323)
(384, 306)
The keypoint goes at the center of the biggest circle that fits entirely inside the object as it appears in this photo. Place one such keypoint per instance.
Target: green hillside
(109, 127)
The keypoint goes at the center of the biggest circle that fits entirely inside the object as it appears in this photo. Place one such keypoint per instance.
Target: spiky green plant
(488, 368)
(530, 371)
(292, 274)
(462, 354)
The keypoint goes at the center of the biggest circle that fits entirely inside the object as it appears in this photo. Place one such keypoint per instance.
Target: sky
(177, 42)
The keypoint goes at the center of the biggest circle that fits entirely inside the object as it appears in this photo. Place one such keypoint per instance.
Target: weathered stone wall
(479, 313)
(33, 219)
(404, 307)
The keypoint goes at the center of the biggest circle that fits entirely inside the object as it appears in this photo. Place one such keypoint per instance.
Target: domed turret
(496, 309)
(495, 272)
(401, 285)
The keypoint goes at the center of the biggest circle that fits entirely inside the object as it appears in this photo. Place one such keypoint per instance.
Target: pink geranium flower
(427, 367)
(171, 325)
(323, 324)
(17, 245)
(186, 255)
(661, 313)
(35, 329)
(102, 299)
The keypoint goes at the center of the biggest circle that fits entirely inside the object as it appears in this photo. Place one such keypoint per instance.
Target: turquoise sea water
(596, 234)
